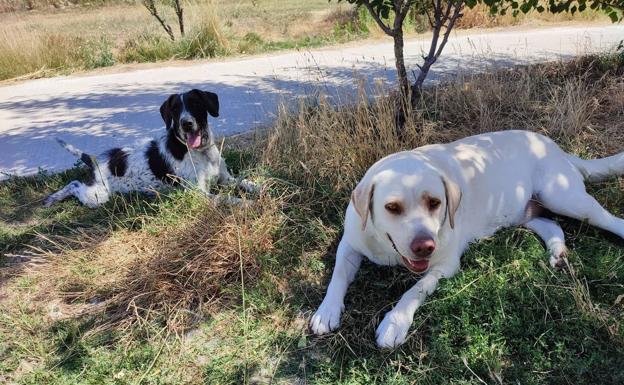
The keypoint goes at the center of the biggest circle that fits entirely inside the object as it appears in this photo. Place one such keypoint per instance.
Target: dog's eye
(434, 203)
(394, 208)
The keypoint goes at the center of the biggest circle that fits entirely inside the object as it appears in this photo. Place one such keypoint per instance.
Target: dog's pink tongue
(193, 140)
(417, 266)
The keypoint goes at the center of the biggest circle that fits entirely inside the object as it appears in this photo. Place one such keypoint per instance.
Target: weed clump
(172, 269)
(204, 41)
(46, 53)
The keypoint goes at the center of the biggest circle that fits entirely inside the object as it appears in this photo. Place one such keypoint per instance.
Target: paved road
(100, 111)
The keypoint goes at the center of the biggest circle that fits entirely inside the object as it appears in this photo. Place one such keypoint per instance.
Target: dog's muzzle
(194, 139)
(417, 266)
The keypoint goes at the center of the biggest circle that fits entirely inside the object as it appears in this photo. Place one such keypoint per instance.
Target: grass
(88, 35)
(173, 289)
(49, 42)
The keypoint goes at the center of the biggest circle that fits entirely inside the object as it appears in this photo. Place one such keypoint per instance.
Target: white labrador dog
(421, 209)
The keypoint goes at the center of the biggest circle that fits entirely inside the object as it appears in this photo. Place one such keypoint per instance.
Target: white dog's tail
(89, 160)
(596, 170)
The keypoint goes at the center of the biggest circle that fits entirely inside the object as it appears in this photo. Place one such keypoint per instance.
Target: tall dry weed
(167, 272)
(334, 146)
(36, 54)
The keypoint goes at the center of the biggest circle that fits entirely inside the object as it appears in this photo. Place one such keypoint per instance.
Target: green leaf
(614, 16)
(385, 12)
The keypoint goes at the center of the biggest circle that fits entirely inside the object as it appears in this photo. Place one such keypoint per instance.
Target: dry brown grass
(89, 37)
(22, 52)
(169, 272)
(578, 103)
(480, 17)
(12, 5)
(327, 144)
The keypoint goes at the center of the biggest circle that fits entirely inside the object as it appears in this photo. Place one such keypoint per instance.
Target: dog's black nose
(187, 125)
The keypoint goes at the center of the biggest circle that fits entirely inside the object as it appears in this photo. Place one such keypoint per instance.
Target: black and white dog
(187, 152)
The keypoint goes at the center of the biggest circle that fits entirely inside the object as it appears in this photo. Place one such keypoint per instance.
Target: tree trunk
(442, 18)
(400, 63)
(404, 86)
(418, 84)
(180, 13)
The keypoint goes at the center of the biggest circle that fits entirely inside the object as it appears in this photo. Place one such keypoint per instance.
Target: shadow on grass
(28, 230)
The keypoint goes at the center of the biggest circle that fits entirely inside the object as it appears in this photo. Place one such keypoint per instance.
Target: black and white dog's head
(186, 117)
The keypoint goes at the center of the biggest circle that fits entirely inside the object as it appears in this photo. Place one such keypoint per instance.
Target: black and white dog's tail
(88, 159)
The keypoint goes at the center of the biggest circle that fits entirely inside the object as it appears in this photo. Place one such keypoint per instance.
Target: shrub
(251, 43)
(350, 23)
(204, 41)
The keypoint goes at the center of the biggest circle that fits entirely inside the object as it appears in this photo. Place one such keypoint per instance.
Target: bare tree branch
(442, 18)
(177, 6)
(151, 7)
(431, 21)
(447, 12)
(437, 11)
(401, 8)
(377, 18)
(406, 6)
(456, 15)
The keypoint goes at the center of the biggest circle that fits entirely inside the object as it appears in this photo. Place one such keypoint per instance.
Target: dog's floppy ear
(211, 101)
(362, 198)
(453, 198)
(165, 111)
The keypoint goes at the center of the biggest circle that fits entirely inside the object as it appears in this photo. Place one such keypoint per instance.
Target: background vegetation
(62, 37)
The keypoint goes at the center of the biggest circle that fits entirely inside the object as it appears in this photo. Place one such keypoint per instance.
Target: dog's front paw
(326, 318)
(392, 331)
(558, 255)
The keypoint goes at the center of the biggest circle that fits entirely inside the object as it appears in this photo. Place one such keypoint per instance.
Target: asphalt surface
(97, 112)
